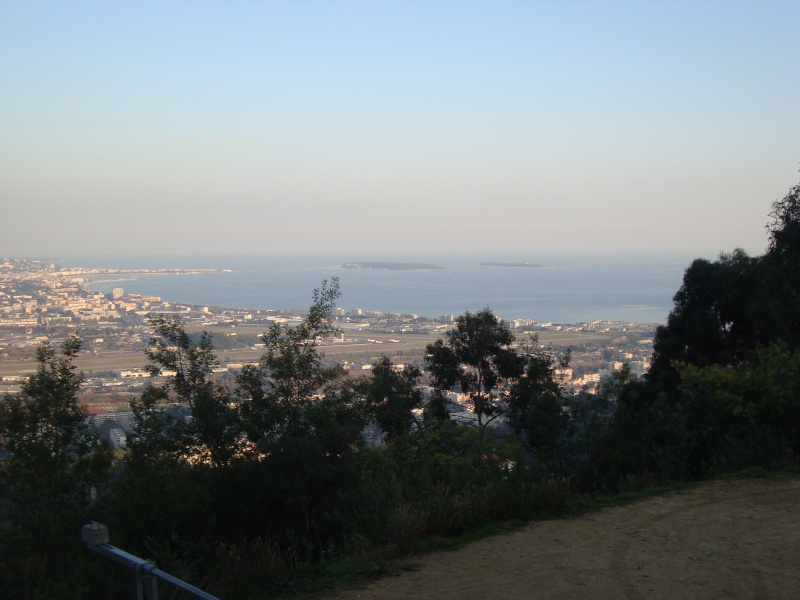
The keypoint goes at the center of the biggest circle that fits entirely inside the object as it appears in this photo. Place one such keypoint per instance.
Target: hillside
(725, 539)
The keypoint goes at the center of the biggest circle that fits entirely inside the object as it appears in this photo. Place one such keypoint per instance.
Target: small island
(390, 266)
(504, 264)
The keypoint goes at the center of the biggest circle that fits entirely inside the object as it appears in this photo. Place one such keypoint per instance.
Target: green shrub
(249, 565)
(407, 524)
(551, 495)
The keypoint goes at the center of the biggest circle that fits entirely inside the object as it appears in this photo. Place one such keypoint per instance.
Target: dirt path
(726, 539)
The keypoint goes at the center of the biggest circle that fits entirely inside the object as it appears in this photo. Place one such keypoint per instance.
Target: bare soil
(724, 539)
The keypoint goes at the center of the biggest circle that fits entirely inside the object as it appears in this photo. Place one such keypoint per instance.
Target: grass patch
(752, 473)
(582, 505)
(314, 582)
(788, 472)
(439, 543)
(318, 582)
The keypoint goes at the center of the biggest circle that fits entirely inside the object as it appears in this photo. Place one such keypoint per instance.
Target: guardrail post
(144, 574)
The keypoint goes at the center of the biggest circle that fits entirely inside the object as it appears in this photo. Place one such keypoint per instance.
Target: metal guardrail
(144, 574)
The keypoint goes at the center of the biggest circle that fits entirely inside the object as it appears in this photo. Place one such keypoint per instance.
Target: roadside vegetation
(266, 486)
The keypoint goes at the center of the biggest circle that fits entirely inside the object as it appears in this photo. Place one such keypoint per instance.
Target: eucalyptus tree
(476, 360)
(306, 428)
(291, 371)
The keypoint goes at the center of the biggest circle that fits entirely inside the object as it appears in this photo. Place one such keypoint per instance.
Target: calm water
(566, 289)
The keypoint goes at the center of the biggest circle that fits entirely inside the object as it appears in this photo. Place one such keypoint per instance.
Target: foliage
(714, 319)
(722, 391)
(449, 479)
(537, 403)
(274, 459)
(306, 427)
(313, 476)
(476, 359)
(780, 293)
(291, 371)
(212, 431)
(727, 308)
(784, 229)
(747, 415)
(391, 396)
(584, 446)
(53, 467)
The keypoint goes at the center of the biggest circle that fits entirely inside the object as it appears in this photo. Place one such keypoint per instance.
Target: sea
(563, 288)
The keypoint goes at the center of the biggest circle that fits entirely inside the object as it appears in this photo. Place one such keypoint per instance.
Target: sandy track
(725, 539)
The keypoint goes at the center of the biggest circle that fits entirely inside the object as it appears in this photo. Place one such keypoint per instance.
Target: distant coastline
(565, 289)
(508, 264)
(390, 266)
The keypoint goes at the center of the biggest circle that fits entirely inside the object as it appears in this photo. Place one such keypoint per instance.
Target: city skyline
(404, 127)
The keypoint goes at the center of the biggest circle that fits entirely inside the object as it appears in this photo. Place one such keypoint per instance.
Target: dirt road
(725, 539)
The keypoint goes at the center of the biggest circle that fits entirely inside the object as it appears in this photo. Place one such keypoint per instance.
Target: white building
(117, 438)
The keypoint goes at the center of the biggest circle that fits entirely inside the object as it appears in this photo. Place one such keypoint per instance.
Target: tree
(744, 415)
(476, 359)
(536, 403)
(726, 309)
(291, 371)
(306, 427)
(53, 463)
(781, 299)
(692, 414)
(187, 437)
(784, 230)
(391, 397)
(211, 430)
(310, 475)
(715, 318)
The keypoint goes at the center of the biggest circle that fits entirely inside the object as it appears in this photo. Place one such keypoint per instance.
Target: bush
(551, 495)
(407, 524)
(249, 565)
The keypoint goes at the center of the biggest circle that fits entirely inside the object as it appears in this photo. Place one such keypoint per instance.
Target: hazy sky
(228, 127)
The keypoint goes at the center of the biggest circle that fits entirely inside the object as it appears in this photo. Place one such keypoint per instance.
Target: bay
(566, 288)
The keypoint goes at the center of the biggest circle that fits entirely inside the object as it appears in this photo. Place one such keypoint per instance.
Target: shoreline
(571, 294)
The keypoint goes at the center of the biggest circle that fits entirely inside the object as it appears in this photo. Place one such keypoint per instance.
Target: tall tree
(291, 371)
(391, 397)
(211, 430)
(186, 433)
(306, 427)
(715, 318)
(536, 403)
(476, 359)
(728, 317)
(726, 309)
(781, 297)
(52, 463)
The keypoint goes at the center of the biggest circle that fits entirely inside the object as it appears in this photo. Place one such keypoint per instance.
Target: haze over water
(567, 288)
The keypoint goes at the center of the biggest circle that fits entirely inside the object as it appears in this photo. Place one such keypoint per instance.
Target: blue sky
(404, 127)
